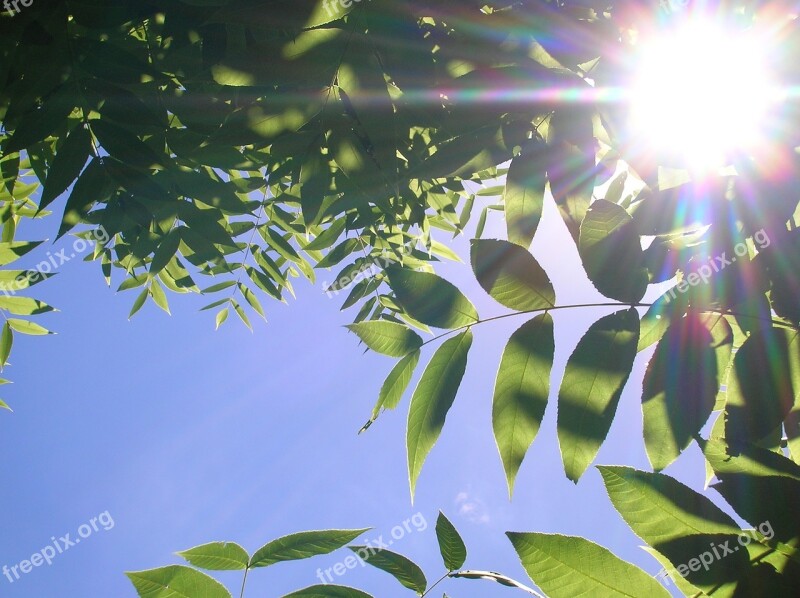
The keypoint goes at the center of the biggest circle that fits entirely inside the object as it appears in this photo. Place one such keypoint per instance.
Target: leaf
(521, 391)
(611, 252)
(523, 198)
(166, 250)
(6, 341)
(764, 384)
(242, 316)
(659, 508)
(92, 186)
(222, 315)
(217, 556)
(328, 237)
(430, 299)
(387, 338)
(328, 591)
(137, 305)
(679, 389)
(24, 306)
(432, 399)
(401, 568)
(159, 297)
(511, 275)
(12, 251)
(394, 386)
(594, 378)
(26, 327)
(176, 581)
(451, 546)
(338, 253)
(678, 522)
(664, 310)
(569, 566)
(303, 545)
(750, 460)
(67, 164)
(4, 405)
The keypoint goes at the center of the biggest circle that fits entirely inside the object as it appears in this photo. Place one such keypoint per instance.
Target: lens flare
(701, 92)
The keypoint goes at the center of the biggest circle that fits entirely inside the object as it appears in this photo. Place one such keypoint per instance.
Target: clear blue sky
(186, 435)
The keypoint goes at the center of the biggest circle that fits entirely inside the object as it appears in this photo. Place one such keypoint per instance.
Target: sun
(701, 92)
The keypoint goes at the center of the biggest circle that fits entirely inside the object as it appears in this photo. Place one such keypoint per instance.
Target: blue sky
(185, 435)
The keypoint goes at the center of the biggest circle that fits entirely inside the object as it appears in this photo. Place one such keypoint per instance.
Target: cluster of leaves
(229, 556)
(18, 182)
(359, 134)
(697, 543)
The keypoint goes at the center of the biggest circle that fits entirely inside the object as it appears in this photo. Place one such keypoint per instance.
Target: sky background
(186, 435)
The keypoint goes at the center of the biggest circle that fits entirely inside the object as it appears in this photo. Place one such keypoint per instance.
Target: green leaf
(432, 399)
(679, 389)
(611, 252)
(394, 386)
(666, 309)
(659, 508)
(24, 306)
(451, 546)
(252, 300)
(328, 237)
(158, 295)
(524, 194)
(569, 566)
(678, 522)
(338, 253)
(242, 316)
(430, 299)
(763, 385)
(167, 249)
(750, 460)
(26, 327)
(12, 251)
(4, 405)
(521, 391)
(328, 591)
(401, 568)
(124, 146)
(137, 305)
(219, 286)
(387, 338)
(176, 581)
(217, 556)
(67, 165)
(222, 315)
(303, 545)
(511, 275)
(6, 340)
(595, 375)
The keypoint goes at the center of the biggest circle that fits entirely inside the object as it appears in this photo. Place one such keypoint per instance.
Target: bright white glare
(701, 92)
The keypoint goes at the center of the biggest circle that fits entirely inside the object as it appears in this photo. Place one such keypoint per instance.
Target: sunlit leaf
(433, 398)
(511, 275)
(593, 381)
(521, 391)
(303, 545)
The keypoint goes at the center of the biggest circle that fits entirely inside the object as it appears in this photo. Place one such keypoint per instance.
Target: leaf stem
(436, 583)
(244, 581)
(533, 311)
